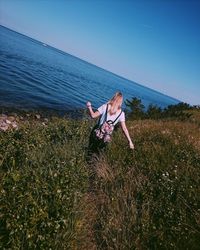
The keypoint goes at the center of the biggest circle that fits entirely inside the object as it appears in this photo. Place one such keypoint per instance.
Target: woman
(110, 114)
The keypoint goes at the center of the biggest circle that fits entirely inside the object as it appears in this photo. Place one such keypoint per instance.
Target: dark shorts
(95, 145)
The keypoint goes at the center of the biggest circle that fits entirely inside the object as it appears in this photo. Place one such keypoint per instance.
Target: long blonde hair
(115, 103)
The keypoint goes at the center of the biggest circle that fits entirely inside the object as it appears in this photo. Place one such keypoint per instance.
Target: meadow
(51, 198)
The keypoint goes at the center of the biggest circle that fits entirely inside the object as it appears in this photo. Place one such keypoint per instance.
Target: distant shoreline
(46, 112)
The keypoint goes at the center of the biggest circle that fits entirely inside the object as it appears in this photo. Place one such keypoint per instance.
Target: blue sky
(155, 43)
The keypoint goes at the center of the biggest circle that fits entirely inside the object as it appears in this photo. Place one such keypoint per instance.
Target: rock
(8, 122)
(37, 116)
(11, 118)
(3, 124)
(3, 116)
(14, 125)
(3, 128)
(46, 120)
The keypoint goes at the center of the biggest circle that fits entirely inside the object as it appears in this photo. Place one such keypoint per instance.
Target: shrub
(136, 108)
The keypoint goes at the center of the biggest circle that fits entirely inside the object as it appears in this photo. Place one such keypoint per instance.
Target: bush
(154, 112)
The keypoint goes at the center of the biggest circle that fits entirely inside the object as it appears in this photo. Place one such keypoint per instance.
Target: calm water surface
(34, 75)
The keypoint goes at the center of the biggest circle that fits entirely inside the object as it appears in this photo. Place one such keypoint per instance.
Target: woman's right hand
(88, 104)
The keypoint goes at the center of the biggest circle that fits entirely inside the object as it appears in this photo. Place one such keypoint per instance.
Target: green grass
(142, 199)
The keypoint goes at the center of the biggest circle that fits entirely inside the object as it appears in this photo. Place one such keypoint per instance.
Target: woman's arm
(125, 130)
(92, 113)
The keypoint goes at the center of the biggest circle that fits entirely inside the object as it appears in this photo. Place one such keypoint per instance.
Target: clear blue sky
(155, 43)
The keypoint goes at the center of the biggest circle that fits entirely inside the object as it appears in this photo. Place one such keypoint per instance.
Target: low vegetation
(51, 198)
(181, 111)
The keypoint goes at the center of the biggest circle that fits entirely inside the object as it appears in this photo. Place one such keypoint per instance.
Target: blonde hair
(115, 103)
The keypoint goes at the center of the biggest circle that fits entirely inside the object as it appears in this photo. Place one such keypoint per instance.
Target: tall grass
(43, 178)
(150, 197)
(142, 199)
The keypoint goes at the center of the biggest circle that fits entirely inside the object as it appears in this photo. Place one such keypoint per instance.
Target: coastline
(11, 118)
(70, 113)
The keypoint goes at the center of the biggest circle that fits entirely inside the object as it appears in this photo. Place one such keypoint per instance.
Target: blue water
(34, 75)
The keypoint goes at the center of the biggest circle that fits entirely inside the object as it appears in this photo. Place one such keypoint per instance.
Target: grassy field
(51, 198)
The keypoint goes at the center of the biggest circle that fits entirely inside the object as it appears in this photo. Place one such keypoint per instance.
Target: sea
(36, 76)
